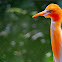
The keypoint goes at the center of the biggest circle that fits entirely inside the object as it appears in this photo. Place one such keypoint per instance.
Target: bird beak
(43, 13)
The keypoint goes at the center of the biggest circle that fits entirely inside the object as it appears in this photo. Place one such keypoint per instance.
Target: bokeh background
(23, 38)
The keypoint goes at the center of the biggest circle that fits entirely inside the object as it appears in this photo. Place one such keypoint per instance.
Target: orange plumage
(54, 12)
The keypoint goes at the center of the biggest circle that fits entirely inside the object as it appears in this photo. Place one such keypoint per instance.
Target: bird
(54, 12)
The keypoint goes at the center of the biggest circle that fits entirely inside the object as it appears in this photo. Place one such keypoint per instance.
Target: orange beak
(43, 13)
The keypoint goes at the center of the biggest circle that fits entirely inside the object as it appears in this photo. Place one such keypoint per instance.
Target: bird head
(52, 11)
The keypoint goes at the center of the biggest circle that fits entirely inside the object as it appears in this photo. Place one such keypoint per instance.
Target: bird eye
(50, 10)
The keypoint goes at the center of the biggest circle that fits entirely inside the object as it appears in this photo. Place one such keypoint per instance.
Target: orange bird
(54, 12)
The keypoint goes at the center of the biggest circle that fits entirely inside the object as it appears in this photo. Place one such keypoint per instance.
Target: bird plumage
(54, 12)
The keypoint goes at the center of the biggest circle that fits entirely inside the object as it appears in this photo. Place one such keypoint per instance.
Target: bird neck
(55, 38)
(56, 24)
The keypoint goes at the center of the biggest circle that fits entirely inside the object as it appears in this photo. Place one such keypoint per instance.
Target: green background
(23, 38)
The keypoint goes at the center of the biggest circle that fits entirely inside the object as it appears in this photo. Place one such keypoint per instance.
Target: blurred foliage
(23, 39)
